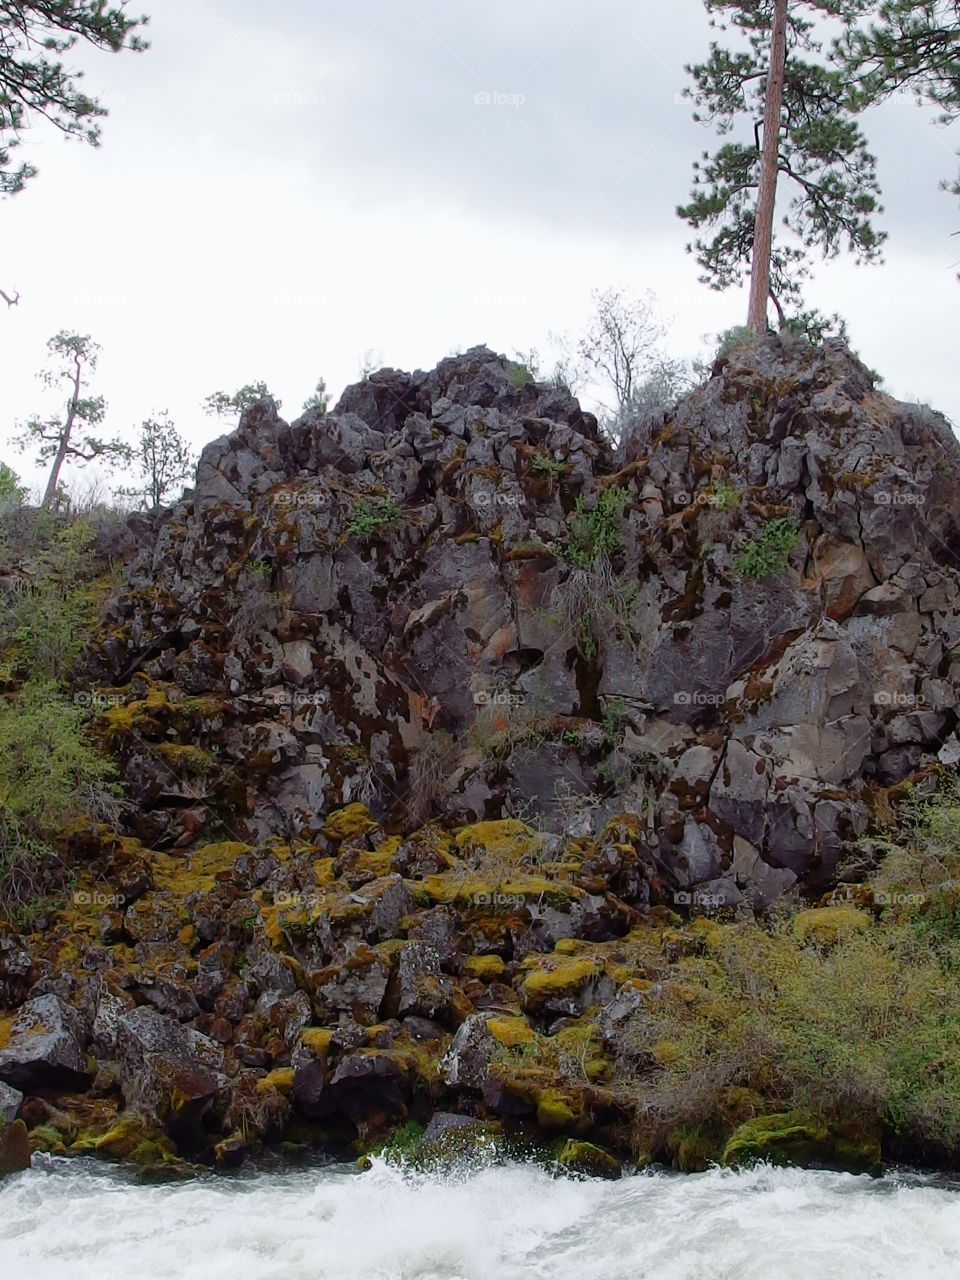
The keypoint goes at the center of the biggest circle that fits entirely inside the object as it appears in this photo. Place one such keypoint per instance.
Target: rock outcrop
(437, 715)
(401, 603)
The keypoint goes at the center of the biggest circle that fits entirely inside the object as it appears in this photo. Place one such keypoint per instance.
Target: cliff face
(744, 638)
(342, 671)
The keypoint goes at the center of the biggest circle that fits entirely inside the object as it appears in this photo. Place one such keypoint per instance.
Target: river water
(81, 1220)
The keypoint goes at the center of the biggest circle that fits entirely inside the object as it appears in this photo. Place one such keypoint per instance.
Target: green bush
(49, 615)
(544, 464)
(51, 777)
(371, 514)
(12, 493)
(770, 552)
(838, 1012)
(595, 533)
(734, 339)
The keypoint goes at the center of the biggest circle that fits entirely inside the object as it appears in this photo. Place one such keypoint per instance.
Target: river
(84, 1221)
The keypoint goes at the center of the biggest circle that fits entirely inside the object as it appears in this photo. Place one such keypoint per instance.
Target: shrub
(734, 339)
(371, 514)
(544, 464)
(51, 776)
(594, 533)
(12, 493)
(770, 552)
(48, 617)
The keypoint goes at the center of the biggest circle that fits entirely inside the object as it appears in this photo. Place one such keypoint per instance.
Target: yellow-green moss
(829, 925)
(507, 838)
(588, 1159)
(351, 821)
(484, 967)
(317, 1040)
(511, 1032)
(559, 980)
(280, 1079)
(557, 1110)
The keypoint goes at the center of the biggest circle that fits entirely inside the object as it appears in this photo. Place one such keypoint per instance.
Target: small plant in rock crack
(614, 714)
(723, 497)
(593, 534)
(544, 464)
(372, 514)
(521, 375)
(770, 552)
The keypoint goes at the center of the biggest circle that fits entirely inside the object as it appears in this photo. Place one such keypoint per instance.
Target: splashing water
(81, 1220)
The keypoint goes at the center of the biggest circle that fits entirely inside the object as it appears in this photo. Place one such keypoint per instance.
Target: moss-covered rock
(588, 1160)
(798, 1138)
(826, 926)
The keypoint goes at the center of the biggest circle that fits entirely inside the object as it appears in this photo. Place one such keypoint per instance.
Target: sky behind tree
(282, 189)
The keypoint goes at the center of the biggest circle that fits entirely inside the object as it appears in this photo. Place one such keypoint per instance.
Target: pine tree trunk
(51, 491)
(64, 444)
(767, 192)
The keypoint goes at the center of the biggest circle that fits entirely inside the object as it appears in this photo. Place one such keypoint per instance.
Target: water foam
(514, 1222)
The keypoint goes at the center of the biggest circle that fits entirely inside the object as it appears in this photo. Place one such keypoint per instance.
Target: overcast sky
(282, 188)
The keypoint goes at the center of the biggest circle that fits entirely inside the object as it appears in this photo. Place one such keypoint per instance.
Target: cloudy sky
(284, 188)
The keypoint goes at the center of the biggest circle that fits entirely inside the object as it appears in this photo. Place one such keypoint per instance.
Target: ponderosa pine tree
(803, 131)
(73, 359)
(163, 461)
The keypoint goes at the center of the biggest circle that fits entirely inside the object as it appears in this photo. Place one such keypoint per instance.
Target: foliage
(912, 46)
(734, 339)
(35, 84)
(73, 357)
(622, 347)
(858, 1023)
(223, 404)
(822, 153)
(12, 493)
(48, 617)
(51, 776)
(544, 464)
(319, 399)
(520, 376)
(770, 552)
(372, 514)
(593, 533)
(164, 461)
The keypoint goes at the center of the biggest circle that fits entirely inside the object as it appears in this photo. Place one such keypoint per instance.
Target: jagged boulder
(46, 1047)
